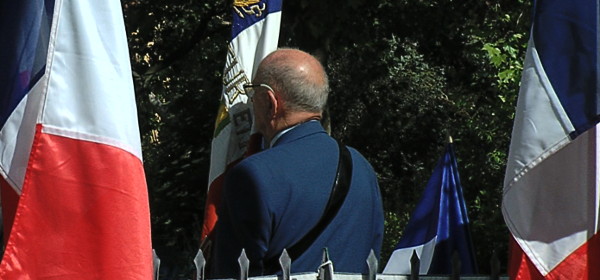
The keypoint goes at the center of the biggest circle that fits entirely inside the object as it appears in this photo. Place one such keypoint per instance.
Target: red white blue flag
(439, 226)
(255, 33)
(551, 188)
(74, 195)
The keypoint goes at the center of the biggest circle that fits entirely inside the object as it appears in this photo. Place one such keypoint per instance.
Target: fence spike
(156, 262)
(286, 263)
(455, 266)
(372, 263)
(199, 262)
(326, 267)
(244, 265)
(495, 266)
(415, 266)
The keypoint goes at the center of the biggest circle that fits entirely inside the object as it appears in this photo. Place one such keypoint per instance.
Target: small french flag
(438, 227)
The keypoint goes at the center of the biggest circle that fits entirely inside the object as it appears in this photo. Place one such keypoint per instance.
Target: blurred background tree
(404, 76)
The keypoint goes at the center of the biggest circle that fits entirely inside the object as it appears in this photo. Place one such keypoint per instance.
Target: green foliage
(393, 228)
(504, 57)
(396, 97)
(174, 46)
(399, 101)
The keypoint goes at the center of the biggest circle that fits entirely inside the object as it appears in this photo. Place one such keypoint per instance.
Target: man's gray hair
(300, 92)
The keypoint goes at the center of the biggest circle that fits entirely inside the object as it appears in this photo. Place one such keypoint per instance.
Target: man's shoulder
(357, 155)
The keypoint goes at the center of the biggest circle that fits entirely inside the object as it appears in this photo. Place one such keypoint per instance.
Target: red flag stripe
(82, 204)
(581, 264)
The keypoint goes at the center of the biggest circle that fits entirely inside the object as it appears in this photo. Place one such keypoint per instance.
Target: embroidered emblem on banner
(249, 8)
(234, 77)
(235, 110)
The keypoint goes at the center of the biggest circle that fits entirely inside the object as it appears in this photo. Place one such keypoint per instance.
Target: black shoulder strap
(341, 185)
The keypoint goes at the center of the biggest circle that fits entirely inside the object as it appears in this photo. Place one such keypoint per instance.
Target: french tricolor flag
(551, 187)
(439, 226)
(74, 195)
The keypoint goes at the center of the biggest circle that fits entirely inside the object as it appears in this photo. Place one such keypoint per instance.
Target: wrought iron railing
(326, 270)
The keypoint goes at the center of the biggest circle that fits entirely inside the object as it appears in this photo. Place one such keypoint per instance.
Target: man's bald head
(298, 77)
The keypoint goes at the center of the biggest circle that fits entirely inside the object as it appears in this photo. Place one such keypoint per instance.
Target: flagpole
(467, 225)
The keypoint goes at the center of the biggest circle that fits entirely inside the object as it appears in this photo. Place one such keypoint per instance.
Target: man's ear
(274, 105)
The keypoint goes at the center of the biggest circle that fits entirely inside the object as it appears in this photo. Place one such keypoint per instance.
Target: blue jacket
(273, 198)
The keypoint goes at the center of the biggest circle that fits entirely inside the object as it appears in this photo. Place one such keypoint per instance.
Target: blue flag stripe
(565, 37)
(246, 15)
(23, 49)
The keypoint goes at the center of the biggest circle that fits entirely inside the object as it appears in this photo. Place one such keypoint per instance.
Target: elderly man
(280, 197)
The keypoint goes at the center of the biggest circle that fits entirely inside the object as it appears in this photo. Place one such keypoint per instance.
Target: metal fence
(326, 270)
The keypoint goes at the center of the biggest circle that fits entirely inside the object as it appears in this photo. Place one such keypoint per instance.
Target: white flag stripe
(93, 59)
(255, 36)
(566, 180)
(399, 262)
(218, 161)
(539, 134)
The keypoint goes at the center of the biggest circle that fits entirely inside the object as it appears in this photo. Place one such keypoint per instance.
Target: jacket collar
(299, 131)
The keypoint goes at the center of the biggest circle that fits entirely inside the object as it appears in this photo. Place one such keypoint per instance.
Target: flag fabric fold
(74, 195)
(255, 33)
(550, 201)
(438, 227)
